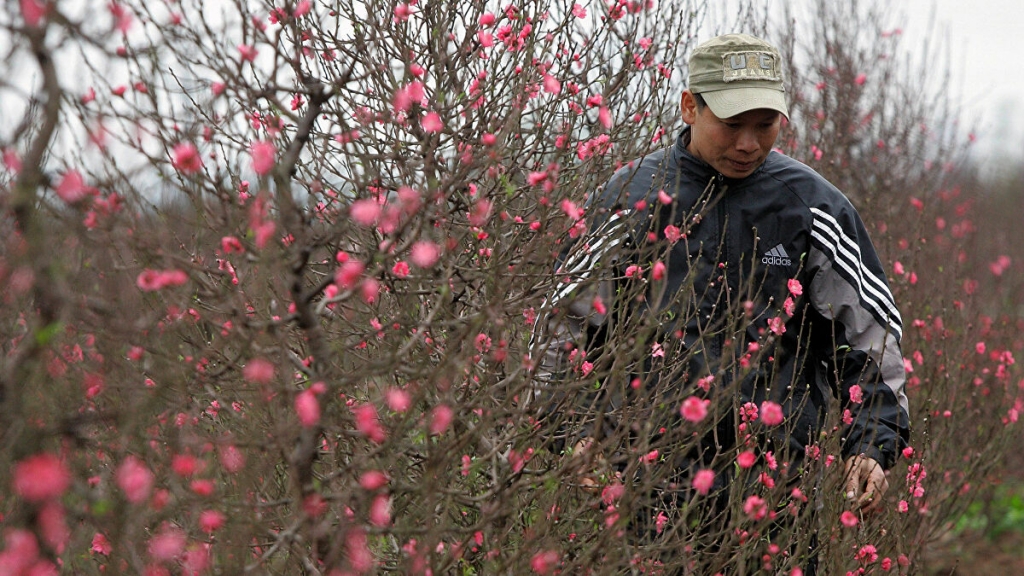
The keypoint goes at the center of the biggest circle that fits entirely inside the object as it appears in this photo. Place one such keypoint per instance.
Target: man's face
(735, 146)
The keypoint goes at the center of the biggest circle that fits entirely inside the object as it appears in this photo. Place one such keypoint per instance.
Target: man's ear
(688, 107)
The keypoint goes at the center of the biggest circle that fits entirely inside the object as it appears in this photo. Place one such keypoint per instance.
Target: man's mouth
(742, 166)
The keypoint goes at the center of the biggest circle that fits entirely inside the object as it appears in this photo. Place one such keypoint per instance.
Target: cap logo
(738, 66)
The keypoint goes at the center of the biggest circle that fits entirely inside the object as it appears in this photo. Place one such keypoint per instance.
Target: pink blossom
(755, 508)
(544, 562)
(551, 84)
(406, 96)
(856, 394)
(167, 544)
(41, 477)
(196, 560)
(21, 552)
(481, 212)
(431, 122)
(482, 342)
(660, 521)
(359, 555)
(658, 271)
(579, 11)
(259, 371)
(535, 178)
(232, 459)
(1000, 265)
(400, 269)
(867, 554)
(122, 17)
(33, 12)
(12, 161)
(134, 479)
(703, 481)
(308, 408)
(263, 156)
(672, 233)
(397, 399)
(664, 198)
(694, 409)
(771, 413)
(153, 280)
(604, 116)
(795, 287)
(424, 253)
(746, 459)
(777, 325)
(860, 79)
(185, 465)
(380, 510)
(402, 12)
(597, 146)
(571, 209)
(247, 52)
(373, 480)
(53, 526)
(487, 19)
(211, 520)
(349, 274)
(72, 187)
(788, 307)
(365, 212)
(202, 487)
(101, 545)
(979, 347)
(368, 424)
(440, 418)
(849, 519)
(229, 244)
(369, 288)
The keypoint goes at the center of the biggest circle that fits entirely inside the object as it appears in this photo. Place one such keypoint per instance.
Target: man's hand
(865, 482)
(591, 465)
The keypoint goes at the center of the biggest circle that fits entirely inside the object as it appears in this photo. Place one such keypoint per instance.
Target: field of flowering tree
(271, 277)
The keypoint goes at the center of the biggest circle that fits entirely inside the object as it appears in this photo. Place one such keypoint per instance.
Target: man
(749, 267)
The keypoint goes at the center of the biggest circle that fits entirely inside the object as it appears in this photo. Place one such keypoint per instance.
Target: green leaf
(45, 334)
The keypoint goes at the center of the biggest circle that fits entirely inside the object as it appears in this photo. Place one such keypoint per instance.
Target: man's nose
(746, 141)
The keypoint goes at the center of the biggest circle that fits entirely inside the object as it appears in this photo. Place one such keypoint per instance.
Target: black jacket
(742, 243)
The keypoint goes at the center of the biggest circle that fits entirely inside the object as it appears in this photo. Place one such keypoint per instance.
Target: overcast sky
(985, 41)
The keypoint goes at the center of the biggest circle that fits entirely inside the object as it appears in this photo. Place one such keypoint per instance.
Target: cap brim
(735, 101)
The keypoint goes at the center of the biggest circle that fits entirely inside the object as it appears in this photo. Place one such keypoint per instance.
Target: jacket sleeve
(849, 290)
(569, 334)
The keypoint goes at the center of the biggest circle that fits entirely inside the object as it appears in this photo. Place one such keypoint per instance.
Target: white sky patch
(983, 39)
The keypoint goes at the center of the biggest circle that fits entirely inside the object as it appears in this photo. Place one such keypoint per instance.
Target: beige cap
(736, 73)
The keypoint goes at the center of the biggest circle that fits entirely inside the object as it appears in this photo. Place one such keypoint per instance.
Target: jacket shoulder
(802, 181)
(638, 180)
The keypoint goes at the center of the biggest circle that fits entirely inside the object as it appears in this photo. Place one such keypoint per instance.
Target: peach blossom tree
(274, 275)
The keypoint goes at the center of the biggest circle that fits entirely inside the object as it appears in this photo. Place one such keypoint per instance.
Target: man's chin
(736, 174)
